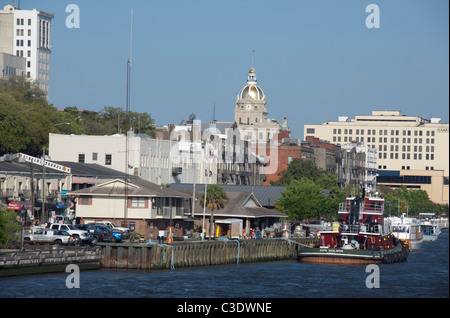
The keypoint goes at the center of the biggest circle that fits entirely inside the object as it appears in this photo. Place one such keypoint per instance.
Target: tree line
(26, 118)
(313, 193)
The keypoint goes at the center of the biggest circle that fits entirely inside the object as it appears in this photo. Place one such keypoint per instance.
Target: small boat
(361, 236)
(430, 226)
(407, 229)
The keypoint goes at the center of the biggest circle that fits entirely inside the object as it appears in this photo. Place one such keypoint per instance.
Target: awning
(88, 180)
(60, 205)
(17, 205)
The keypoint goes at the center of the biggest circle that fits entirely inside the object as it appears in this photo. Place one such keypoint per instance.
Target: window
(289, 160)
(310, 130)
(138, 202)
(81, 158)
(108, 160)
(85, 200)
(29, 21)
(94, 156)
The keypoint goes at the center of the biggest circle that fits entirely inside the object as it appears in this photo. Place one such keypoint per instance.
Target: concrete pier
(48, 260)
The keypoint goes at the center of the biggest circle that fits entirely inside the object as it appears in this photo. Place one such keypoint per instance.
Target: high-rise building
(27, 34)
(405, 145)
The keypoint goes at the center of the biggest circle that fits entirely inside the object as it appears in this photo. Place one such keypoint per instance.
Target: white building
(156, 160)
(27, 33)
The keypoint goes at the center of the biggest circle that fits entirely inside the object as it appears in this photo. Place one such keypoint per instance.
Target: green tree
(9, 228)
(299, 168)
(302, 199)
(26, 118)
(216, 199)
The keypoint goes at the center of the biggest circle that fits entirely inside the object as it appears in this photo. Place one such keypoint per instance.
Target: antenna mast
(128, 126)
(253, 55)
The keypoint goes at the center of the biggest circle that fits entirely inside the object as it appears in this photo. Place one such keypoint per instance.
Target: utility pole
(43, 218)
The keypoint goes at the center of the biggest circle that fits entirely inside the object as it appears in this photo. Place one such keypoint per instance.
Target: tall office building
(27, 34)
(411, 150)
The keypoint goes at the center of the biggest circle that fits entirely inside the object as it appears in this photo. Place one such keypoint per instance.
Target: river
(424, 275)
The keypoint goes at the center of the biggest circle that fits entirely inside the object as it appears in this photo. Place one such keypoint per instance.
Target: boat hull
(399, 253)
(430, 238)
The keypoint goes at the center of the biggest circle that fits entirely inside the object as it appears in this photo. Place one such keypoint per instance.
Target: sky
(315, 59)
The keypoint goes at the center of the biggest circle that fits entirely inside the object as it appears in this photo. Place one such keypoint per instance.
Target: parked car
(84, 236)
(50, 236)
(62, 219)
(104, 233)
(113, 226)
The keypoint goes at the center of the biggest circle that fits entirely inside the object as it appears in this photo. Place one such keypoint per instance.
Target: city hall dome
(251, 89)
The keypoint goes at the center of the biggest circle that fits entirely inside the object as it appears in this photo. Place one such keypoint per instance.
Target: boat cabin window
(400, 229)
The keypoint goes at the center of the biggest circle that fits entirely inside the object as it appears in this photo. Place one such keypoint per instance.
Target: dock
(48, 259)
(150, 255)
(153, 256)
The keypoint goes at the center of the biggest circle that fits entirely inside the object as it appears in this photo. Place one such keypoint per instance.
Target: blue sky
(315, 60)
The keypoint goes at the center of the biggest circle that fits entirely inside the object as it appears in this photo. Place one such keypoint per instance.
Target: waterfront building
(403, 144)
(27, 34)
(242, 207)
(25, 182)
(142, 206)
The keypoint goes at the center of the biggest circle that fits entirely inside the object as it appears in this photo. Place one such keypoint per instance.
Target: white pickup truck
(49, 236)
(84, 236)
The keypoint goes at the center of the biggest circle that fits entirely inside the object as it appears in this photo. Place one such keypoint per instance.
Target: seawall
(208, 253)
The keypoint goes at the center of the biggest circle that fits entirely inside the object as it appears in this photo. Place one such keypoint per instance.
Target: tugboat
(361, 236)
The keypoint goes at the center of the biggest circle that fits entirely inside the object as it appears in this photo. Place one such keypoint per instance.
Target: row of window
(380, 167)
(404, 179)
(381, 132)
(21, 43)
(405, 148)
(21, 21)
(382, 140)
(108, 158)
(406, 156)
(21, 32)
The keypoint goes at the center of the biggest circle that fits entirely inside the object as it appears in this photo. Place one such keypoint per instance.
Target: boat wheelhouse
(430, 226)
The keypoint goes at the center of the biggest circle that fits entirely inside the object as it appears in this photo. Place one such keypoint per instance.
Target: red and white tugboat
(361, 236)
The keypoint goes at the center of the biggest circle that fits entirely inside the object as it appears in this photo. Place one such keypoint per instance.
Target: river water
(424, 275)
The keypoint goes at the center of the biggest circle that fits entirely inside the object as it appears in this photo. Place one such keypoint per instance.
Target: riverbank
(151, 255)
